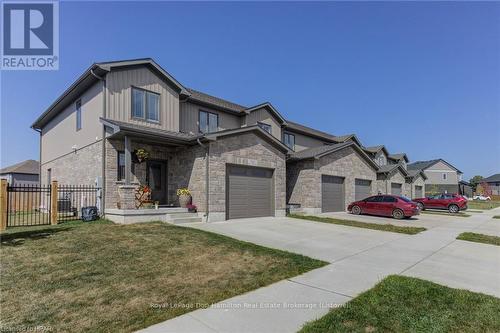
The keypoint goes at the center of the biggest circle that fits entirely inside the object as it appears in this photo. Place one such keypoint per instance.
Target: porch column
(128, 160)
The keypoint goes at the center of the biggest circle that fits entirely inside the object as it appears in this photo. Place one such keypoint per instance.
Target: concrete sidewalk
(359, 259)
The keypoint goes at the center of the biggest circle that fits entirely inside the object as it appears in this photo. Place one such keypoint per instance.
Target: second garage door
(362, 189)
(332, 194)
(396, 188)
(418, 191)
(249, 192)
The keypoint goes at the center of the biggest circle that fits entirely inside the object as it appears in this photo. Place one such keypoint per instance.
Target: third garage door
(396, 188)
(250, 192)
(362, 189)
(418, 191)
(332, 194)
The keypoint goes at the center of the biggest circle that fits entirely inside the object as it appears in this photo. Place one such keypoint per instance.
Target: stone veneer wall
(185, 168)
(245, 149)
(411, 187)
(304, 177)
(384, 184)
(81, 167)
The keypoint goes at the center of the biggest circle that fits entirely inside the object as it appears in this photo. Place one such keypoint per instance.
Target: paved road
(359, 258)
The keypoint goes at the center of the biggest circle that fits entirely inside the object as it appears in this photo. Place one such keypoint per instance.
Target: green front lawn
(475, 204)
(349, 223)
(479, 238)
(444, 212)
(404, 304)
(496, 217)
(104, 277)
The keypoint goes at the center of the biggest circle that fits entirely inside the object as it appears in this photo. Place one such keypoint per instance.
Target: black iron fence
(72, 198)
(31, 205)
(28, 205)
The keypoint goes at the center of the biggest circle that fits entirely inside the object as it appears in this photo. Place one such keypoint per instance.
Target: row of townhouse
(237, 161)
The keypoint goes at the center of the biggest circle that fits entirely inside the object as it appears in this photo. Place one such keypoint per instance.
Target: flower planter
(184, 200)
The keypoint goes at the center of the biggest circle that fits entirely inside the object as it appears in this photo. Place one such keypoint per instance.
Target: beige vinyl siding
(189, 118)
(435, 174)
(119, 88)
(60, 134)
(264, 116)
(303, 142)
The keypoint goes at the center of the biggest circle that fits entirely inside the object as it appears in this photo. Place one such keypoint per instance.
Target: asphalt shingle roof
(28, 167)
(301, 128)
(373, 149)
(493, 178)
(316, 151)
(148, 130)
(421, 165)
(216, 101)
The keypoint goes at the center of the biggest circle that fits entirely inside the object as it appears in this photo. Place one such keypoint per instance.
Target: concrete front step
(179, 218)
(185, 220)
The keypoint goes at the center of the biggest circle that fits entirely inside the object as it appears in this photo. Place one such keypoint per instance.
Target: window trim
(289, 134)
(445, 176)
(118, 152)
(145, 105)
(261, 125)
(199, 118)
(78, 110)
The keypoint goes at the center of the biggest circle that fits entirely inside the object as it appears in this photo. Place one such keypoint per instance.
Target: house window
(78, 115)
(208, 122)
(381, 160)
(265, 127)
(289, 140)
(49, 176)
(145, 105)
(121, 166)
(444, 176)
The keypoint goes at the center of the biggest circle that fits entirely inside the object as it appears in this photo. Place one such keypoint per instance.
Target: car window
(370, 199)
(389, 199)
(405, 199)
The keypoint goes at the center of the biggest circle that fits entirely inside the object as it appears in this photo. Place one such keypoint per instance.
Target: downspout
(207, 178)
(39, 156)
(103, 150)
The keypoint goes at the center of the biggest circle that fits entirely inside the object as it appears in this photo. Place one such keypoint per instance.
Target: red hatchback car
(451, 202)
(386, 205)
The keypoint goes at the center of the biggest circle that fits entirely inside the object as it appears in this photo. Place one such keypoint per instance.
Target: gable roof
(254, 128)
(318, 152)
(203, 98)
(375, 149)
(299, 128)
(388, 168)
(30, 167)
(91, 76)
(423, 165)
(347, 137)
(268, 106)
(415, 173)
(493, 178)
(399, 157)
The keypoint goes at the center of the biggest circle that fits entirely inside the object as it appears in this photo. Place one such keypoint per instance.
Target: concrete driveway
(359, 258)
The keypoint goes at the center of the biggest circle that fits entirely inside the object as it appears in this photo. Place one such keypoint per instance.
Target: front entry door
(156, 177)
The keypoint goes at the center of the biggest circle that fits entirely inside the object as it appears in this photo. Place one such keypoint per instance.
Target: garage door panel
(362, 189)
(396, 188)
(418, 191)
(332, 193)
(250, 192)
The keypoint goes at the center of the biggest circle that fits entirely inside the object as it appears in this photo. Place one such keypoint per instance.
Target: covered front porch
(145, 168)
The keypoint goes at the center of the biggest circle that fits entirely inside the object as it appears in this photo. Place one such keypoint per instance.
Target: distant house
(465, 188)
(494, 183)
(26, 172)
(442, 177)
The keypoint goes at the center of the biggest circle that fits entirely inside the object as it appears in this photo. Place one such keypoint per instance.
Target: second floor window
(289, 140)
(145, 105)
(209, 122)
(78, 115)
(266, 127)
(444, 176)
(381, 160)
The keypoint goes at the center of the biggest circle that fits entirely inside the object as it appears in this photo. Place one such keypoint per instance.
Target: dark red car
(451, 202)
(386, 205)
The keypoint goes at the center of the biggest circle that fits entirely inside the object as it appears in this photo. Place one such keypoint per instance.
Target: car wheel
(453, 209)
(420, 205)
(356, 210)
(398, 214)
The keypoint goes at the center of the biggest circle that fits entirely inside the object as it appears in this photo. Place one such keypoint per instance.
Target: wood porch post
(128, 160)
(3, 204)
(53, 202)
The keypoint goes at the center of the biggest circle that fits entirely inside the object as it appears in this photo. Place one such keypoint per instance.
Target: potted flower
(184, 197)
(192, 208)
(141, 155)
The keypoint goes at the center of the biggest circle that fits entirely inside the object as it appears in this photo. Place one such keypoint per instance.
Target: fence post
(53, 202)
(3, 204)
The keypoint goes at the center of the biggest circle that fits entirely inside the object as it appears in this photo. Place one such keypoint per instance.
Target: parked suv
(386, 205)
(451, 202)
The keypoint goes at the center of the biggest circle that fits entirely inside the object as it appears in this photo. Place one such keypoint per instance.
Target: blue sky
(421, 78)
